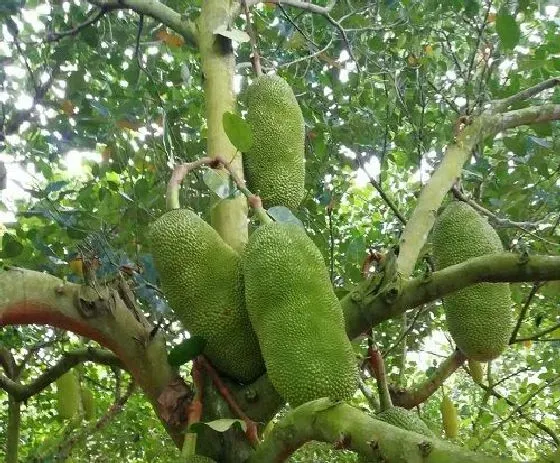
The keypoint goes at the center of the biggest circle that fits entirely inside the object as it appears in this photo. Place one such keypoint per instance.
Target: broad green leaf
(11, 247)
(238, 131)
(508, 30)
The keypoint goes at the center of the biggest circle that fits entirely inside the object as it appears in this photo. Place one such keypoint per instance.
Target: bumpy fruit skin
(476, 370)
(297, 316)
(478, 317)
(405, 419)
(202, 281)
(68, 396)
(449, 417)
(275, 163)
(88, 403)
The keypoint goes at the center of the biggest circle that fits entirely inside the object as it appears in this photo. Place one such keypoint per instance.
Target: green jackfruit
(202, 281)
(405, 419)
(68, 396)
(297, 316)
(476, 370)
(88, 403)
(449, 417)
(274, 165)
(478, 317)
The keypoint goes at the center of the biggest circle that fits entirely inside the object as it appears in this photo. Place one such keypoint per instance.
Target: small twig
(308, 57)
(253, 39)
(296, 27)
(497, 221)
(403, 335)
(382, 193)
(302, 5)
(537, 335)
(523, 311)
(224, 391)
(54, 36)
(449, 102)
(377, 366)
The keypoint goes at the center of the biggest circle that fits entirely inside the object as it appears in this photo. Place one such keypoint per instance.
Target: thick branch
(157, 10)
(419, 394)
(456, 155)
(363, 309)
(22, 392)
(32, 297)
(323, 421)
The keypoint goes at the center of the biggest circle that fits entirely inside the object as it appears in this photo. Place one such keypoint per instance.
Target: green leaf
(221, 425)
(218, 182)
(11, 247)
(284, 215)
(238, 131)
(508, 30)
(186, 351)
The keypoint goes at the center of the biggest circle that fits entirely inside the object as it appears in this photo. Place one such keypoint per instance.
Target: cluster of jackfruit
(74, 401)
(274, 165)
(405, 419)
(449, 417)
(478, 317)
(297, 316)
(202, 281)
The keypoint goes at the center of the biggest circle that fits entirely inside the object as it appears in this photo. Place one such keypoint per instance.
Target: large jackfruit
(274, 165)
(297, 316)
(202, 281)
(404, 419)
(449, 417)
(478, 317)
(68, 396)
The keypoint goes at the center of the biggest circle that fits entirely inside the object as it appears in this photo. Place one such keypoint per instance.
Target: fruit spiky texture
(68, 396)
(478, 317)
(274, 165)
(449, 417)
(405, 419)
(297, 316)
(202, 281)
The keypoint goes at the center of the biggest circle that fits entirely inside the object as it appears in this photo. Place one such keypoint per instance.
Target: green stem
(12, 435)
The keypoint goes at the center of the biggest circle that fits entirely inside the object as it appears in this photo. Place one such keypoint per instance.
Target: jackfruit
(198, 459)
(68, 396)
(405, 419)
(478, 317)
(202, 281)
(449, 417)
(476, 370)
(297, 317)
(88, 403)
(274, 165)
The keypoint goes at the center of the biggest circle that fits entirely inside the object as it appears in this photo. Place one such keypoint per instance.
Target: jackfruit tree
(247, 231)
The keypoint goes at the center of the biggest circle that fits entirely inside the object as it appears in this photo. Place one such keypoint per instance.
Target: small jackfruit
(405, 419)
(88, 403)
(202, 281)
(479, 316)
(296, 316)
(274, 165)
(449, 417)
(476, 370)
(68, 396)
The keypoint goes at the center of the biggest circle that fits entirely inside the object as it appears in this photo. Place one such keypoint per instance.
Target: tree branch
(420, 393)
(523, 312)
(500, 105)
(538, 335)
(302, 5)
(69, 360)
(363, 308)
(99, 314)
(54, 36)
(353, 429)
(456, 155)
(158, 11)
